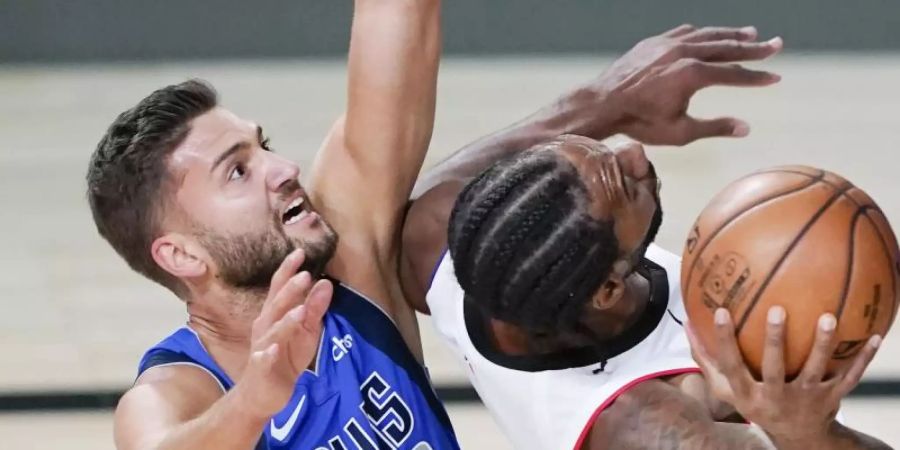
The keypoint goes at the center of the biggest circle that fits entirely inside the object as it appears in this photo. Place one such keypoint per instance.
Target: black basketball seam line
(823, 180)
(849, 274)
(884, 247)
(812, 181)
(735, 216)
(771, 274)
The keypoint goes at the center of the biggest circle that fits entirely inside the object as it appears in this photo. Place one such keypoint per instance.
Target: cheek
(227, 212)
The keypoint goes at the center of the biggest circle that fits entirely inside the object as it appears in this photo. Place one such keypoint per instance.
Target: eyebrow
(233, 149)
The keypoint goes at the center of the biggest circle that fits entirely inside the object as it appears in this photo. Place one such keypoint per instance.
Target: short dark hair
(128, 173)
(524, 247)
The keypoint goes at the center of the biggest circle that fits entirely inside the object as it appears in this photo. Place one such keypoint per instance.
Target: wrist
(590, 111)
(793, 438)
(244, 405)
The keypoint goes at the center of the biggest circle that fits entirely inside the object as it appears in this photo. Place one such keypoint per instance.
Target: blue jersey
(368, 391)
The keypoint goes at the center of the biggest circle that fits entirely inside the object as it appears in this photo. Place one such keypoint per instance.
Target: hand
(285, 337)
(793, 413)
(651, 86)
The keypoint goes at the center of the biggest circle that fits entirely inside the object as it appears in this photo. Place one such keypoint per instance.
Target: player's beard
(248, 261)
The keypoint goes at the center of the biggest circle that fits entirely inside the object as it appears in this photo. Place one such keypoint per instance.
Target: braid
(483, 196)
(524, 247)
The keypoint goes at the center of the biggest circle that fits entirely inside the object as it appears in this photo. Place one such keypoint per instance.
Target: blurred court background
(75, 320)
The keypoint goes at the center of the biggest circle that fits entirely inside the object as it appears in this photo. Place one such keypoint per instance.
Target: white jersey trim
(185, 363)
(585, 432)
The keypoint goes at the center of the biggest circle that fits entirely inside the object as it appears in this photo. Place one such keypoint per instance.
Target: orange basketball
(802, 238)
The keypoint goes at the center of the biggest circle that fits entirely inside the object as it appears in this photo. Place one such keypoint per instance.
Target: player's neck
(223, 320)
(225, 316)
(604, 326)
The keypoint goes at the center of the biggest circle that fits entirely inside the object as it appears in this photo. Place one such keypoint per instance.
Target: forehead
(580, 150)
(211, 133)
(587, 155)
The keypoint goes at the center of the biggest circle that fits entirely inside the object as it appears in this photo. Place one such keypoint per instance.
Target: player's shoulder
(162, 397)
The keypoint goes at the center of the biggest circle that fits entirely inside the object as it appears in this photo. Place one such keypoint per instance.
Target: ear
(613, 289)
(179, 255)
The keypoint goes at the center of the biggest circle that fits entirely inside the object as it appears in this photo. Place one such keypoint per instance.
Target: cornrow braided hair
(524, 247)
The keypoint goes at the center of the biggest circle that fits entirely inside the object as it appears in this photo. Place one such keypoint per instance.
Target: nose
(280, 172)
(632, 159)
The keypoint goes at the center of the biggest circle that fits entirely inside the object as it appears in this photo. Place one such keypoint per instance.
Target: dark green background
(103, 30)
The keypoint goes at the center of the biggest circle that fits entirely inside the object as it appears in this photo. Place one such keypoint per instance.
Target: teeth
(296, 218)
(295, 203)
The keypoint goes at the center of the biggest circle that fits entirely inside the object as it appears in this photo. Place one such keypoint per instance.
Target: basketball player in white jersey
(570, 320)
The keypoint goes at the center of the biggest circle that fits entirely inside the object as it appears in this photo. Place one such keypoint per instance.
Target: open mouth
(294, 212)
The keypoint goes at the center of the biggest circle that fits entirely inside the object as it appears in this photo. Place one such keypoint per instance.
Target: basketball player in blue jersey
(193, 197)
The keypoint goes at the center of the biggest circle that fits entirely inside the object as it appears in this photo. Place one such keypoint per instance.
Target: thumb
(719, 127)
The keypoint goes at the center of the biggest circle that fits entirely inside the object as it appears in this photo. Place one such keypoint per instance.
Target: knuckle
(676, 49)
(693, 64)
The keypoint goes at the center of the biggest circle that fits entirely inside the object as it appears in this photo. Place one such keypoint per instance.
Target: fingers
(680, 30)
(291, 294)
(733, 50)
(695, 129)
(698, 350)
(814, 369)
(854, 373)
(715, 379)
(286, 270)
(704, 74)
(731, 363)
(720, 34)
(316, 304)
(306, 335)
(773, 350)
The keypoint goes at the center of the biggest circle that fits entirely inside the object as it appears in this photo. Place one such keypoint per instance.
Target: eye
(238, 172)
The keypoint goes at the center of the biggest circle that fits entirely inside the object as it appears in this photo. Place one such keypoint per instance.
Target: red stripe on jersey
(665, 373)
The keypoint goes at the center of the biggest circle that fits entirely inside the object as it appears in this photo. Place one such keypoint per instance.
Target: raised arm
(363, 175)
(644, 94)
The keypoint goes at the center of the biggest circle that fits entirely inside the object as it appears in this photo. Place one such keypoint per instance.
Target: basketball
(799, 237)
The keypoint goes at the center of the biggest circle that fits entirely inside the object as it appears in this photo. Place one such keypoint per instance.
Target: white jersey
(551, 402)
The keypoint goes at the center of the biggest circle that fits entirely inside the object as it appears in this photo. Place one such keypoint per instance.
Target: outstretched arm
(644, 94)
(363, 175)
